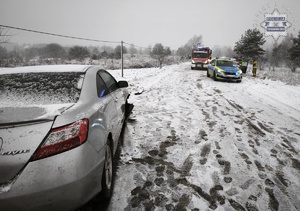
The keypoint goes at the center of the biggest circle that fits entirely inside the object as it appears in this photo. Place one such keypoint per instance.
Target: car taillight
(62, 139)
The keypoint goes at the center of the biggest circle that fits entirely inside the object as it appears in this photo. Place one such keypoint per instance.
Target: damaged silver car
(59, 131)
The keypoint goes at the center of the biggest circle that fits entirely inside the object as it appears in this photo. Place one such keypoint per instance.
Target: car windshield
(40, 88)
(225, 63)
(200, 55)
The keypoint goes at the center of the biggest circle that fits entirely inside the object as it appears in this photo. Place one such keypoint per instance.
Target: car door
(211, 66)
(105, 119)
(117, 95)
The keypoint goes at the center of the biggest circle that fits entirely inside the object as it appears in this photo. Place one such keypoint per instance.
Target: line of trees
(287, 53)
(250, 46)
(55, 53)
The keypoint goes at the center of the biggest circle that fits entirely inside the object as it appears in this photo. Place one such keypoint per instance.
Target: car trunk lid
(22, 131)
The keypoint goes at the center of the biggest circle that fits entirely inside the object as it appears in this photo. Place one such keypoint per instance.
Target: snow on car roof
(45, 68)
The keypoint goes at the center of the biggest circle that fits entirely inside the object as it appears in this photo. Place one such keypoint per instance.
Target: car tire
(214, 76)
(207, 73)
(192, 68)
(126, 113)
(128, 109)
(107, 176)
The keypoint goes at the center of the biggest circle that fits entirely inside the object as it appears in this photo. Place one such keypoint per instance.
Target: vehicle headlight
(193, 61)
(220, 70)
(239, 72)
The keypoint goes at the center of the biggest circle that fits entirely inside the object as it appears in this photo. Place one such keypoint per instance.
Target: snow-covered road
(195, 144)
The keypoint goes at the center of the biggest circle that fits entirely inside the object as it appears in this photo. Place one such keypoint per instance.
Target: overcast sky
(141, 22)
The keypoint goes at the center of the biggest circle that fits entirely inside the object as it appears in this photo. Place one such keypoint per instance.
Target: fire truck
(201, 57)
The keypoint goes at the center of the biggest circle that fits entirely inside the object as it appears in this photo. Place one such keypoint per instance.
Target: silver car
(59, 130)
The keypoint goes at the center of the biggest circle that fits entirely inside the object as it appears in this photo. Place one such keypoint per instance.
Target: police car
(224, 69)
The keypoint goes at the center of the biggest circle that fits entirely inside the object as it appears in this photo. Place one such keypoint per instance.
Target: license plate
(231, 76)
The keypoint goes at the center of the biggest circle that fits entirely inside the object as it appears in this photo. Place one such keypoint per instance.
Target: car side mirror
(122, 84)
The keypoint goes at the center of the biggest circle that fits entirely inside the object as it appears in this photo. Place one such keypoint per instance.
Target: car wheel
(207, 73)
(126, 113)
(215, 77)
(107, 176)
(128, 109)
(192, 68)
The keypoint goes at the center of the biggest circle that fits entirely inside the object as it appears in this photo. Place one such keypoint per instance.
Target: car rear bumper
(61, 182)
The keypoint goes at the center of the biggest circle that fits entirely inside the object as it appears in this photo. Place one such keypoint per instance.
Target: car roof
(45, 68)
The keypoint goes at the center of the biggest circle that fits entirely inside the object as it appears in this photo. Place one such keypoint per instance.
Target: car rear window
(40, 88)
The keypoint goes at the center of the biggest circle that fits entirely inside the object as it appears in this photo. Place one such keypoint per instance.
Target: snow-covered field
(195, 144)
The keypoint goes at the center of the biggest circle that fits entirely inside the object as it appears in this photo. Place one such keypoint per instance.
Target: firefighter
(254, 67)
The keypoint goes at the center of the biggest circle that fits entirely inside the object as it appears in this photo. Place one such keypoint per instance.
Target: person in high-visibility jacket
(255, 64)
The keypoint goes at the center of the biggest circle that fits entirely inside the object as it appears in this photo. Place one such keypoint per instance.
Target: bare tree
(118, 51)
(220, 51)
(148, 50)
(281, 53)
(186, 50)
(160, 52)
(132, 50)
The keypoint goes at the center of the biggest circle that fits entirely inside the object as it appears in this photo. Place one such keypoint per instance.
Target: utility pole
(122, 57)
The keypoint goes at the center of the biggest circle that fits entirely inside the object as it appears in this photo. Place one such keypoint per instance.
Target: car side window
(110, 82)
(102, 90)
(212, 62)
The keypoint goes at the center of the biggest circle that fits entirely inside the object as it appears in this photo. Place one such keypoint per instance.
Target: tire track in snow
(177, 132)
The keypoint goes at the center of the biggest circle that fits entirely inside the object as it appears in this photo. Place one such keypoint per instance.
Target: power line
(58, 35)
(67, 36)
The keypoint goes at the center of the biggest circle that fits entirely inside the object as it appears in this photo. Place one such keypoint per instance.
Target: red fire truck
(201, 57)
